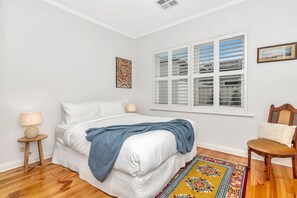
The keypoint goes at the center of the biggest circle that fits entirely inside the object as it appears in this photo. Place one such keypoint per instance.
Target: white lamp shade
(131, 108)
(27, 119)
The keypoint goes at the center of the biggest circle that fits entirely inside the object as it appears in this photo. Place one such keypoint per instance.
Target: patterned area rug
(207, 177)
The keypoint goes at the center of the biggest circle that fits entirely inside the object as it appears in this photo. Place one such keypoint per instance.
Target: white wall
(52, 56)
(1, 35)
(48, 55)
(268, 22)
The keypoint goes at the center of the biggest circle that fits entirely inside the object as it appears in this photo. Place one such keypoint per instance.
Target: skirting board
(243, 153)
(18, 163)
(238, 152)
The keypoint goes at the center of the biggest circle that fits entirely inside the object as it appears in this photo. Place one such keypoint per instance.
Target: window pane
(180, 91)
(203, 58)
(161, 65)
(232, 54)
(161, 92)
(180, 62)
(231, 91)
(203, 91)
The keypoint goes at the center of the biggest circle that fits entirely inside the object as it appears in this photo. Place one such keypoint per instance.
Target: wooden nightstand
(27, 148)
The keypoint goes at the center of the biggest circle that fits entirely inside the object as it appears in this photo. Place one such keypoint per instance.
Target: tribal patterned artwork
(124, 73)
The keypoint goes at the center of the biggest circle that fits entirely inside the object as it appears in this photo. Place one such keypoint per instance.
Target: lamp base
(31, 131)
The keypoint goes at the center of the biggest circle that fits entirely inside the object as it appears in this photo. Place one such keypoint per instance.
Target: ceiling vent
(165, 4)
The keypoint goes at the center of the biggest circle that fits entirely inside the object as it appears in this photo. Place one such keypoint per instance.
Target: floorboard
(57, 181)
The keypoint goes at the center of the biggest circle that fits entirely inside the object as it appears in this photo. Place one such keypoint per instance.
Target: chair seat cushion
(271, 147)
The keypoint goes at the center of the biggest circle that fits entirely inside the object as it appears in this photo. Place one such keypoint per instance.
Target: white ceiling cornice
(226, 5)
(72, 11)
(186, 19)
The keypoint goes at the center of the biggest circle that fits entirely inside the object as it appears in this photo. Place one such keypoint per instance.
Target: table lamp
(131, 108)
(31, 120)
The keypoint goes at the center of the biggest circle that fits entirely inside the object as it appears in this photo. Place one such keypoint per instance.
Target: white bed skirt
(120, 184)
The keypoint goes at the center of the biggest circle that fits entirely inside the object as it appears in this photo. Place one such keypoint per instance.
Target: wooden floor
(56, 181)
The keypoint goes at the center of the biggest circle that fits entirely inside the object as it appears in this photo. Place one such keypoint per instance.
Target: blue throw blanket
(106, 142)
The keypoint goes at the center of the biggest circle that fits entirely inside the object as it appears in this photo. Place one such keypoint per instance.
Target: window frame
(169, 78)
(215, 108)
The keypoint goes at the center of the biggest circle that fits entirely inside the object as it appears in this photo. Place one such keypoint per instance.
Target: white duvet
(140, 153)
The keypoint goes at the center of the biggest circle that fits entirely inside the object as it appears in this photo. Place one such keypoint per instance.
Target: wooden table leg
(26, 160)
(294, 167)
(40, 153)
(265, 162)
(268, 168)
(249, 158)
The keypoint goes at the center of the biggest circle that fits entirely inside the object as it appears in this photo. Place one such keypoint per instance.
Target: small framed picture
(123, 73)
(277, 53)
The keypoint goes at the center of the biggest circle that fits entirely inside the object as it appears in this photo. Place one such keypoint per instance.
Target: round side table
(27, 141)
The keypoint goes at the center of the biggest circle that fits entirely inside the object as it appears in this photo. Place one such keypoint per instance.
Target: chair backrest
(284, 114)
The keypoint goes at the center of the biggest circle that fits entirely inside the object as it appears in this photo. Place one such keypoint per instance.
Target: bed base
(118, 183)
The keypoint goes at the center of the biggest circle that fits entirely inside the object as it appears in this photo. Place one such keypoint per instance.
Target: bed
(145, 163)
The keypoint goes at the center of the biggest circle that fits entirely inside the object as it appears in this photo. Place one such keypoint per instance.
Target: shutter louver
(161, 65)
(180, 62)
(231, 90)
(203, 91)
(179, 93)
(232, 54)
(161, 92)
(204, 58)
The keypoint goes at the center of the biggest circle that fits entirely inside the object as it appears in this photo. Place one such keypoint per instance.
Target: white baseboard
(238, 152)
(18, 163)
(243, 153)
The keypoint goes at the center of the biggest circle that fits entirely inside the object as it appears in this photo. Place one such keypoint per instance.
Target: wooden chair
(285, 114)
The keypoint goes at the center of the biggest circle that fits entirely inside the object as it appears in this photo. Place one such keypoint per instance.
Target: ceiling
(137, 18)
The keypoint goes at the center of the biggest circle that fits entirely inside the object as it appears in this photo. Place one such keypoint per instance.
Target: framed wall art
(123, 73)
(277, 53)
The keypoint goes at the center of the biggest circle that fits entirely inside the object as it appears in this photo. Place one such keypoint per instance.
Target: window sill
(205, 112)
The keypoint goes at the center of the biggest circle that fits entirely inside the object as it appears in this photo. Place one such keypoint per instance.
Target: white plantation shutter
(232, 54)
(161, 92)
(203, 91)
(232, 90)
(161, 79)
(232, 58)
(215, 81)
(179, 70)
(171, 78)
(204, 58)
(161, 65)
(180, 62)
(179, 93)
(203, 65)
(219, 80)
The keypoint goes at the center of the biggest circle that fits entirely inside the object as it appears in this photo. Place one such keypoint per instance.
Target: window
(179, 76)
(161, 78)
(214, 81)
(171, 77)
(203, 74)
(203, 91)
(231, 58)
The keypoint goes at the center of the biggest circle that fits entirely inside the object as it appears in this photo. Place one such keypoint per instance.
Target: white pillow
(74, 112)
(111, 108)
(277, 132)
